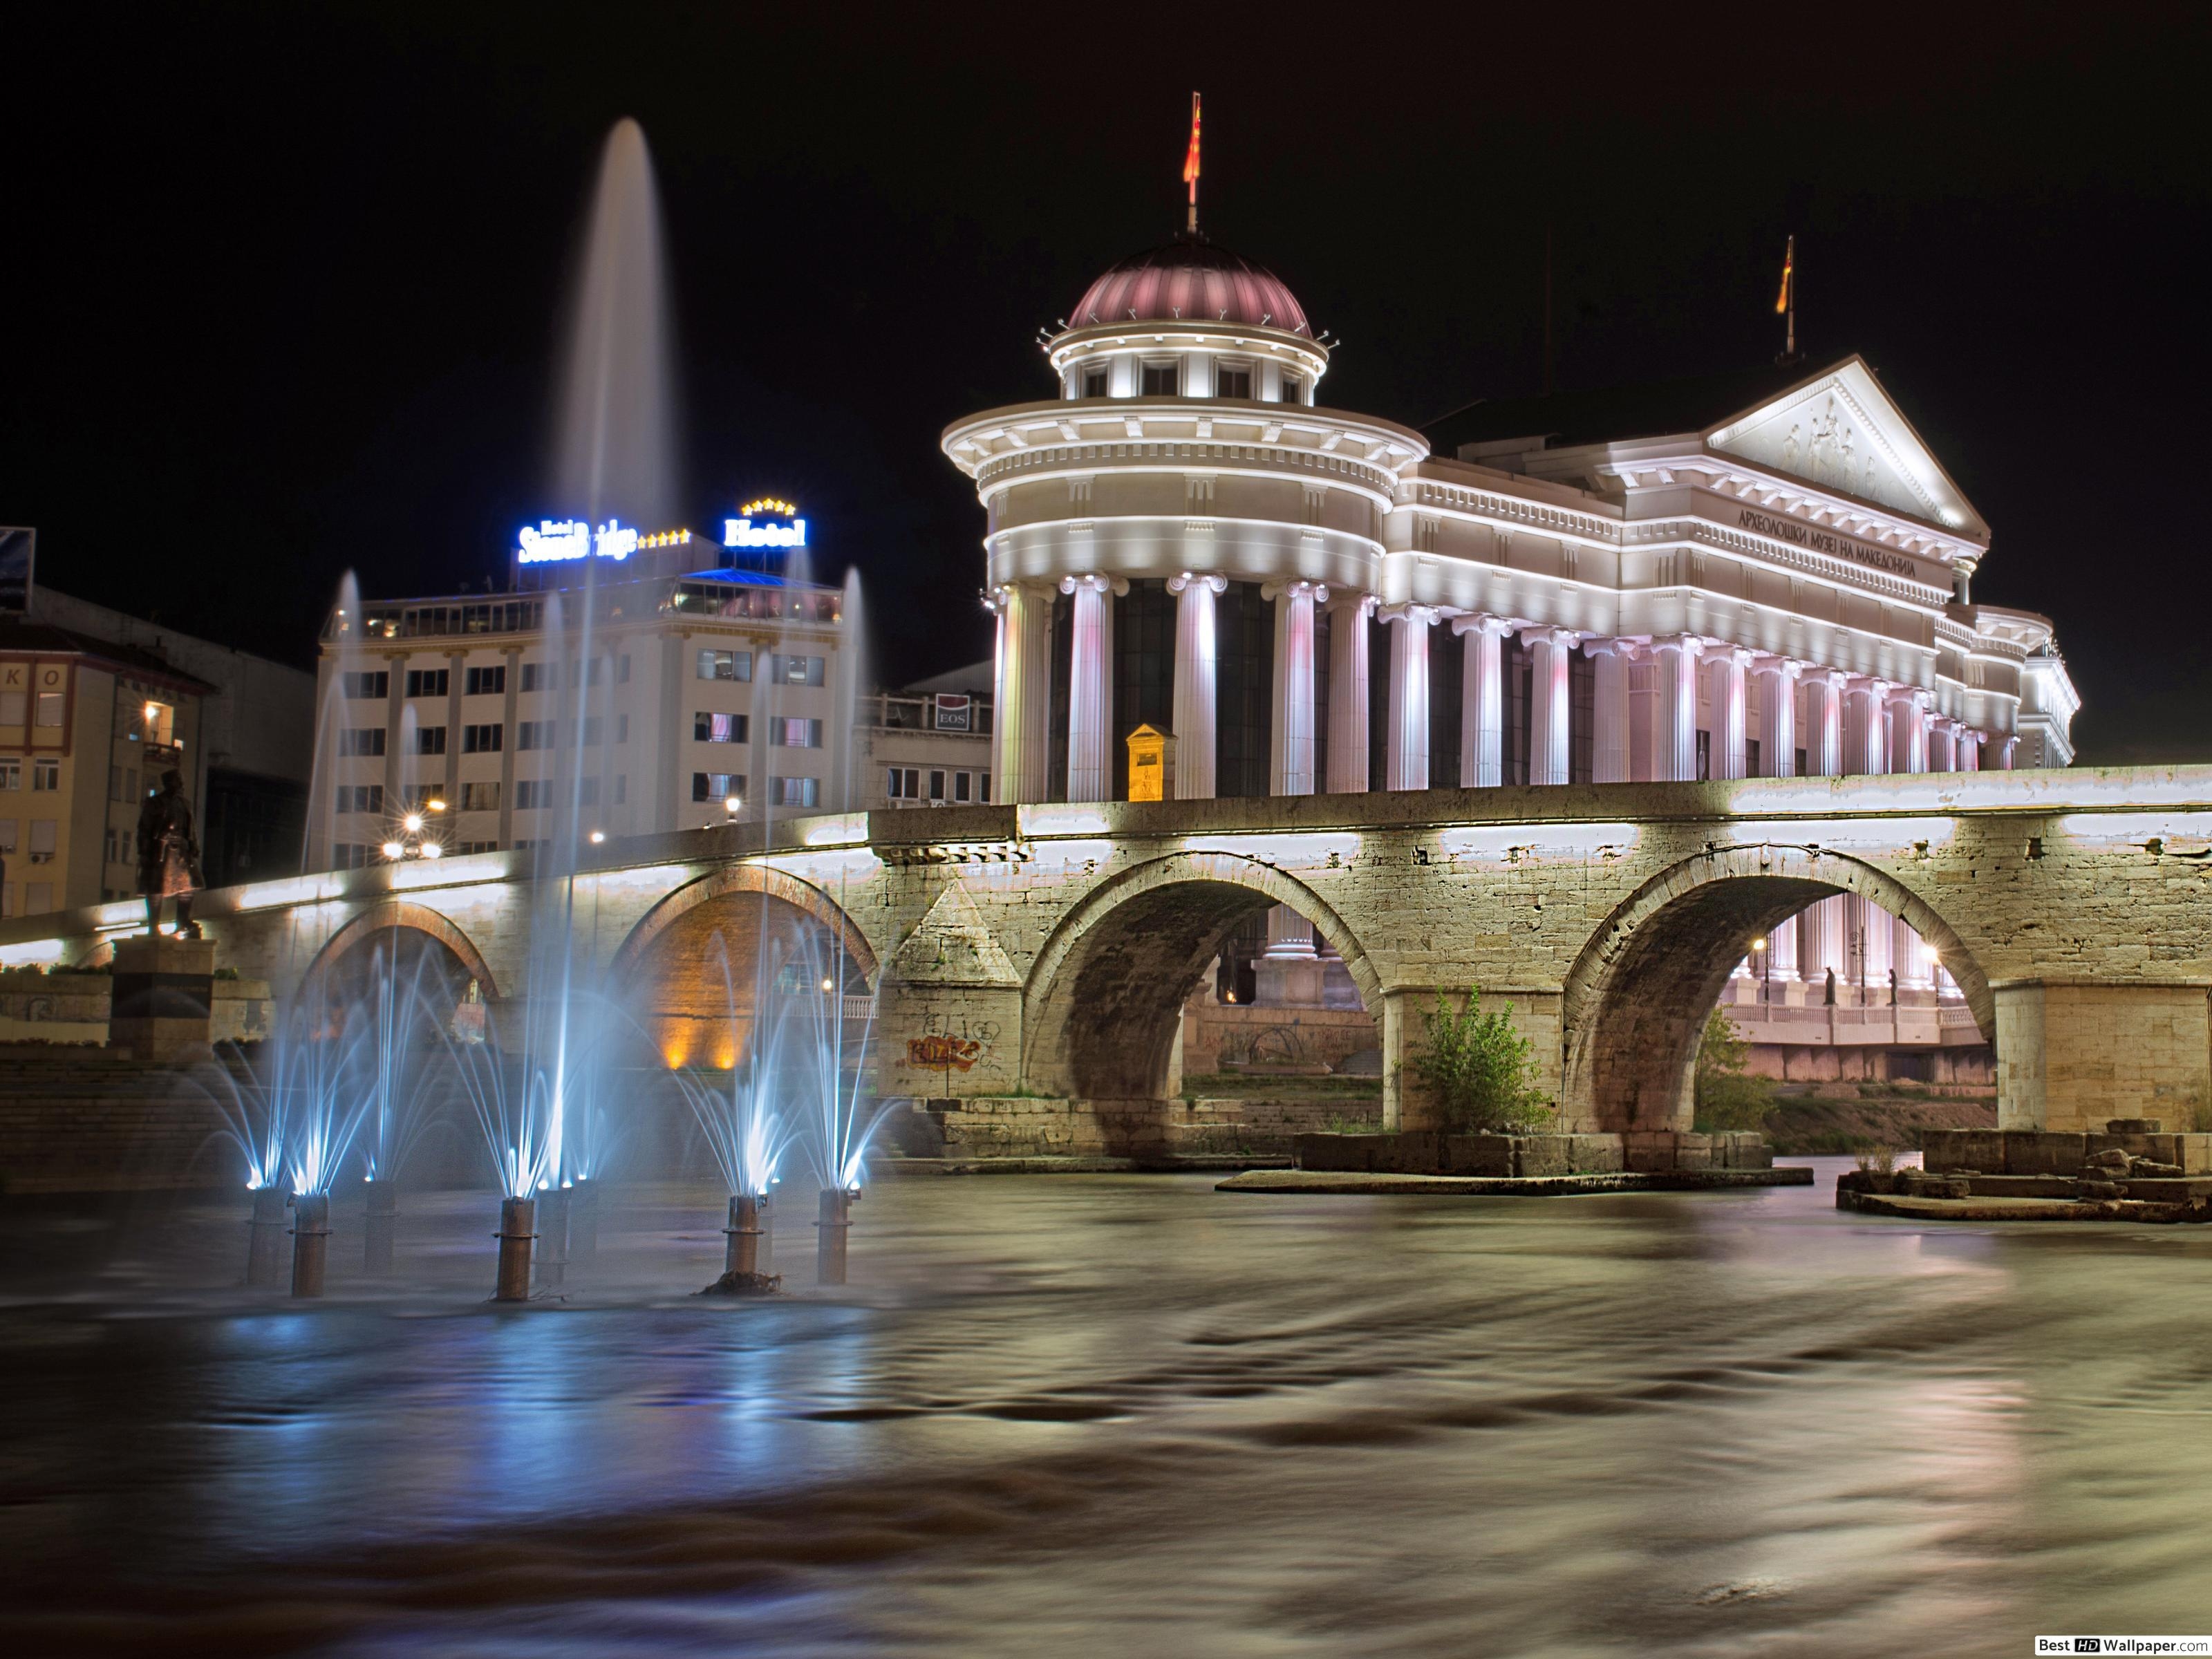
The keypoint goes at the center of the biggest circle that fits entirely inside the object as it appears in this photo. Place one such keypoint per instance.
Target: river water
(1119, 1415)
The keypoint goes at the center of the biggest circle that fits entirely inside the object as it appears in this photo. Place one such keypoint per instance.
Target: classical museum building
(1764, 572)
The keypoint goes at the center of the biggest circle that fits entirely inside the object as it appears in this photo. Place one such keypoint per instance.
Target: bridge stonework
(1047, 950)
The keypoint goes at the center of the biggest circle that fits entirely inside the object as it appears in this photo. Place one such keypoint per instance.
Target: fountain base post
(553, 1233)
(264, 1238)
(741, 1253)
(836, 1221)
(377, 1227)
(310, 1241)
(517, 1217)
(584, 1222)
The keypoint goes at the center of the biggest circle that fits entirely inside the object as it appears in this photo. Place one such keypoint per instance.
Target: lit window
(795, 733)
(725, 665)
(50, 708)
(717, 786)
(718, 728)
(796, 792)
(796, 671)
(480, 797)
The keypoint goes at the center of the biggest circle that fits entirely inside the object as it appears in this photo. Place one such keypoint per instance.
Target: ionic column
(1482, 701)
(1406, 758)
(1910, 955)
(1942, 744)
(1865, 727)
(1823, 948)
(1782, 950)
(1777, 709)
(1347, 694)
(1729, 663)
(1674, 710)
(1090, 689)
(1608, 710)
(1969, 750)
(1873, 934)
(1196, 688)
(1823, 723)
(1549, 703)
(1022, 692)
(1290, 763)
(1908, 732)
(2006, 747)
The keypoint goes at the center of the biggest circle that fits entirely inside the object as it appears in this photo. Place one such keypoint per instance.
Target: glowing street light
(598, 835)
(414, 824)
(394, 850)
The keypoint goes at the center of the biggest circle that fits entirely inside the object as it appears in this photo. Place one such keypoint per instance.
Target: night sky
(282, 285)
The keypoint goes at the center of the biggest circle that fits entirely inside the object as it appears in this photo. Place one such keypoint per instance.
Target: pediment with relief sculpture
(1839, 429)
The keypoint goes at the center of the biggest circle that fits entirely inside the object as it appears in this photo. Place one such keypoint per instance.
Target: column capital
(1721, 651)
(1544, 634)
(1608, 645)
(1689, 643)
(1481, 621)
(1217, 582)
(1424, 614)
(1774, 662)
(1096, 582)
(1317, 592)
(1362, 605)
(1869, 685)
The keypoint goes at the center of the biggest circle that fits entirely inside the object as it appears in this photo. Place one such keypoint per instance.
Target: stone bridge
(1048, 949)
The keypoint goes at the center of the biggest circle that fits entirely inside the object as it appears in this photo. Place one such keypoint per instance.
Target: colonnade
(1851, 724)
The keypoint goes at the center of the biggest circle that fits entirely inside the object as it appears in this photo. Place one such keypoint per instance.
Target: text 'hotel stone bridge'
(1048, 950)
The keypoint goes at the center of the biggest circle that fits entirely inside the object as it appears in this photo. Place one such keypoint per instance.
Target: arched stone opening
(696, 971)
(1102, 1007)
(398, 932)
(1638, 998)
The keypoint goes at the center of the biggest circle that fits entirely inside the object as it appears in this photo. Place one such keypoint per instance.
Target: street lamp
(1765, 970)
(597, 837)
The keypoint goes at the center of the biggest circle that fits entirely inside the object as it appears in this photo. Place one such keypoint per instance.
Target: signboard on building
(555, 541)
(766, 522)
(955, 712)
(18, 551)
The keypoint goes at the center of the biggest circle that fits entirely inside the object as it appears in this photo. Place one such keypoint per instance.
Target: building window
(530, 794)
(718, 785)
(1751, 758)
(1097, 377)
(718, 728)
(429, 739)
(50, 708)
(622, 787)
(937, 786)
(482, 796)
(46, 774)
(348, 855)
(961, 782)
(362, 740)
(587, 791)
(795, 792)
(11, 776)
(1232, 380)
(796, 671)
(533, 734)
(44, 840)
(725, 665)
(1162, 379)
(794, 733)
(485, 681)
(39, 898)
(6, 834)
(1801, 762)
(157, 722)
(467, 846)
(12, 705)
(361, 798)
(534, 677)
(482, 739)
(1294, 389)
(427, 682)
(1704, 756)
(622, 724)
(360, 687)
(905, 783)
(983, 785)
(622, 668)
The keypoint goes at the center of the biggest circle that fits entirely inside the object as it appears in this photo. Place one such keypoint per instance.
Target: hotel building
(706, 686)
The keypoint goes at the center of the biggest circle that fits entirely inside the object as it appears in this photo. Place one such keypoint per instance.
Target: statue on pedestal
(169, 854)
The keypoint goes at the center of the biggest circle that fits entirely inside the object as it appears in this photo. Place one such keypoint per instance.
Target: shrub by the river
(1728, 1097)
(1479, 1066)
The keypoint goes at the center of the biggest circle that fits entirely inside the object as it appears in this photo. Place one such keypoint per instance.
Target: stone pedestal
(2071, 1056)
(163, 999)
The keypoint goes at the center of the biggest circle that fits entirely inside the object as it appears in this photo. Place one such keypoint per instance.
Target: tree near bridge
(1727, 1096)
(1481, 1068)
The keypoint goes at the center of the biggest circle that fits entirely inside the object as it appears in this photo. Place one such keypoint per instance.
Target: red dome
(1189, 281)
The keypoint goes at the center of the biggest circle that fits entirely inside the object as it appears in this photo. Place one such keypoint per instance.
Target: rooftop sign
(556, 540)
(745, 531)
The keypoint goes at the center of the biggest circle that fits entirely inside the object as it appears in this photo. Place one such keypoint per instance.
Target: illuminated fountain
(839, 1143)
(400, 1007)
(747, 1136)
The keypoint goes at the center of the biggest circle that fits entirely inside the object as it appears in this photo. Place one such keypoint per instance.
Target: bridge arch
(1636, 1000)
(428, 926)
(668, 966)
(1099, 1009)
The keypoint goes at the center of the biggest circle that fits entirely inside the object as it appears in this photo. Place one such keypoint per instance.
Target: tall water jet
(853, 684)
(745, 1133)
(617, 442)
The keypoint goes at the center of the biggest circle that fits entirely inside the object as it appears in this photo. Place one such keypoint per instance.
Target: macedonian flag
(1788, 255)
(1190, 159)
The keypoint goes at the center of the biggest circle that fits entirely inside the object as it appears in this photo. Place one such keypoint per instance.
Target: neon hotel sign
(557, 540)
(743, 532)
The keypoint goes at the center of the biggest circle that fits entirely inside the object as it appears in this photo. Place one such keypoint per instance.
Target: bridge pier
(2072, 1054)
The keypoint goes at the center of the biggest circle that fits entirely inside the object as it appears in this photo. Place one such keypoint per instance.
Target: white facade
(1779, 587)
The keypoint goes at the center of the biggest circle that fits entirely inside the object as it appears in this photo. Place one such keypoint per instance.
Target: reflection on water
(1122, 1415)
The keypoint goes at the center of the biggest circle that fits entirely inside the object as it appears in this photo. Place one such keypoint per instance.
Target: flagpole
(1190, 168)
